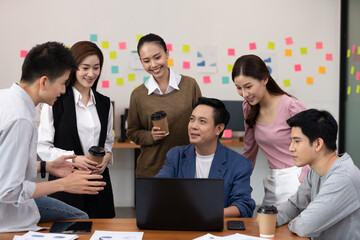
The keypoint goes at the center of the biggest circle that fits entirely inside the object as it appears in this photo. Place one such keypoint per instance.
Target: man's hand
(157, 134)
(62, 168)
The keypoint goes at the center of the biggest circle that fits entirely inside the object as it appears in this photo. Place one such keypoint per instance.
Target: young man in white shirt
(45, 71)
(327, 204)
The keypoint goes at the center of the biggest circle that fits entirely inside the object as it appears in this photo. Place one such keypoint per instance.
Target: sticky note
(105, 44)
(114, 69)
(329, 57)
(358, 50)
(206, 79)
(231, 52)
(93, 37)
(170, 62)
(105, 84)
(288, 52)
(138, 37)
(252, 46)
(348, 90)
(186, 65)
(303, 50)
(230, 67)
(286, 82)
(358, 76)
(318, 45)
(145, 78)
(112, 55)
(23, 53)
(227, 133)
(322, 69)
(309, 80)
(358, 89)
(186, 48)
(353, 48)
(131, 77)
(352, 70)
(297, 67)
(225, 80)
(122, 45)
(169, 46)
(120, 81)
(348, 53)
(271, 45)
(289, 40)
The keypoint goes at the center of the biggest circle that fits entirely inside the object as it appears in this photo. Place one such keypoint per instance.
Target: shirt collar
(78, 96)
(26, 97)
(153, 86)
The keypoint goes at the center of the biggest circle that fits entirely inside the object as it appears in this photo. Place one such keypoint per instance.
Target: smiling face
(154, 59)
(89, 70)
(250, 88)
(302, 150)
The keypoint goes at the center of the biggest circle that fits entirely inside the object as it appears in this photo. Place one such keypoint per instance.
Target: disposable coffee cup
(96, 154)
(267, 221)
(159, 119)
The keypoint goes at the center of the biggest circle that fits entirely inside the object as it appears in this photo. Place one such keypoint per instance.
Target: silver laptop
(179, 203)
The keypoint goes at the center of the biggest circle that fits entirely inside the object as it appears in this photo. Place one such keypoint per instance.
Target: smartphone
(236, 225)
(71, 227)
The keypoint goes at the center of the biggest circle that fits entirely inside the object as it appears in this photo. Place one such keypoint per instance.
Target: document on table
(44, 236)
(116, 235)
(235, 236)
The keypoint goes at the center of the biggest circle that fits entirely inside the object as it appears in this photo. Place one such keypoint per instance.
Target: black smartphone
(71, 227)
(236, 225)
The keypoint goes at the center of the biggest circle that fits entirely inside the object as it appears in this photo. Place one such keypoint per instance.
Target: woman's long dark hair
(253, 66)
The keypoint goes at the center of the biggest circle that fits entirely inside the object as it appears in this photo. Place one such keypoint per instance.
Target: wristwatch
(43, 168)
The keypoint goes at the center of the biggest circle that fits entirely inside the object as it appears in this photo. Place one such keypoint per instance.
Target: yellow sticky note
(288, 52)
(286, 82)
(358, 50)
(112, 55)
(138, 37)
(348, 53)
(271, 45)
(170, 62)
(131, 77)
(358, 89)
(303, 50)
(186, 48)
(352, 70)
(309, 80)
(105, 44)
(349, 90)
(230, 67)
(120, 81)
(322, 69)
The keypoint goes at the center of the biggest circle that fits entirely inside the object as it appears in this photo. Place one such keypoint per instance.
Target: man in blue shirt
(206, 157)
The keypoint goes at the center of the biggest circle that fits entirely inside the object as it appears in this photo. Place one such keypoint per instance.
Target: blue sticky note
(199, 55)
(114, 69)
(201, 64)
(93, 37)
(225, 80)
(267, 59)
(146, 78)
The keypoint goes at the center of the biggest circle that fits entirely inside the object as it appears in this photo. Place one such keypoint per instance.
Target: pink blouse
(273, 138)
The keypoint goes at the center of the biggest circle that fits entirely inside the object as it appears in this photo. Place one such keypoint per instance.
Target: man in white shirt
(45, 71)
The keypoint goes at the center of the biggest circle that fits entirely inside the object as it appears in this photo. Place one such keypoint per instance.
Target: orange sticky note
(252, 46)
(105, 84)
(122, 45)
(206, 79)
(309, 80)
(322, 69)
(23, 53)
(288, 52)
(186, 65)
(170, 62)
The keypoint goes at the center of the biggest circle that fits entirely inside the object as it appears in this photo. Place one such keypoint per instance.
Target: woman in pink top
(266, 109)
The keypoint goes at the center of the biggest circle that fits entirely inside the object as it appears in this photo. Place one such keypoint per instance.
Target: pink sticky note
(297, 67)
(289, 41)
(329, 57)
(353, 48)
(231, 52)
(186, 65)
(227, 133)
(252, 46)
(319, 45)
(23, 53)
(358, 76)
(105, 84)
(206, 79)
(169, 46)
(122, 45)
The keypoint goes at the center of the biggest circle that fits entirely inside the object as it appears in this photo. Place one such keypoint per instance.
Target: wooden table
(129, 225)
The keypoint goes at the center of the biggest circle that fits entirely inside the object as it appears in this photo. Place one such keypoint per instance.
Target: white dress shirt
(88, 126)
(18, 168)
(153, 86)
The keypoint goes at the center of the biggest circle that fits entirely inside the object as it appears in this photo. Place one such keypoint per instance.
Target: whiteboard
(218, 26)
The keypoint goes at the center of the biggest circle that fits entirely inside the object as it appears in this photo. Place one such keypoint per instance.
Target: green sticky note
(358, 89)
(114, 69)
(230, 67)
(138, 37)
(105, 44)
(271, 45)
(186, 48)
(303, 50)
(352, 70)
(93, 37)
(131, 77)
(225, 80)
(286, 82)
(146, 78)
(349, 90)
(112, 55)
(348, 53)
(120, 81)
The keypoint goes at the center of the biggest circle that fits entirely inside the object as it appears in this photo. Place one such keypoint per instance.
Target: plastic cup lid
(97, 151)
(267, 209)
(158, 115)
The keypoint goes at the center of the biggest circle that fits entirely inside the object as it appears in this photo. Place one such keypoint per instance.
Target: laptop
(179, 203)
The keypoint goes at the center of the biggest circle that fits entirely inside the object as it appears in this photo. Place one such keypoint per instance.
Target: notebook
(180, 203)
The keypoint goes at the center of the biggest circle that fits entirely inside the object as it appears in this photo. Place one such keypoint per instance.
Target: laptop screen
(180, 203)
